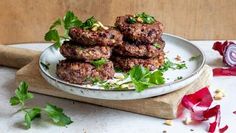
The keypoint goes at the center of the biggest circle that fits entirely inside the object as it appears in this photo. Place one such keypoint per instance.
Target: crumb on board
(168, 122)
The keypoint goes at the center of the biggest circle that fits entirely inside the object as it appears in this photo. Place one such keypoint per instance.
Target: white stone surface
(95, 119)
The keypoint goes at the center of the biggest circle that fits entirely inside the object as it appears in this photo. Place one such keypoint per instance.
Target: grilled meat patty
(127, 63)
(71, 50)
(101, 37)
(139, 32)
(83, 73)
(143, 51)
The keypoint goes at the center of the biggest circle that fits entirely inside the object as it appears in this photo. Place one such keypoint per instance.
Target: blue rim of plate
(153, 87)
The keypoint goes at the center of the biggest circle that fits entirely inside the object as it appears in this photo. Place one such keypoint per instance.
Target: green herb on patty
(142, 18)
(100, 62)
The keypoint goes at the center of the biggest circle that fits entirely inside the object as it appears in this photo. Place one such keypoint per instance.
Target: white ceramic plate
(174, 46)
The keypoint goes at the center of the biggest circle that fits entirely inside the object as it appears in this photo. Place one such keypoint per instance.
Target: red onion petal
(198, 101)
(218, 46)
(224, 71)
(223, 129)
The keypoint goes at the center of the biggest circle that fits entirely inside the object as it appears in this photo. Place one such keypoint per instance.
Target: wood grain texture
(28, 20)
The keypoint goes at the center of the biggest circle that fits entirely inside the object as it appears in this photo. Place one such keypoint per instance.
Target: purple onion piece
(229, 56)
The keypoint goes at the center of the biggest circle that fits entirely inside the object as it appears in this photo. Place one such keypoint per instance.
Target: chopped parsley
(95, 80)
(141, 17)
(118, 70)
(181, 66)
(89, 23)
(194, 57)
(100, 62)
(179, 77)
(131, 20)
(171, 65)
(156, 45)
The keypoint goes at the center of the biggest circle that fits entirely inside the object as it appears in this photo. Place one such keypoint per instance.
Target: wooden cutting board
(165, 106)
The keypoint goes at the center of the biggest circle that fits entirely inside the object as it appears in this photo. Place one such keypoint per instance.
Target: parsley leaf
(89, 23)
(31, 115)
(98, 63)
(53, 35)
(14, 100)
(143, 78)
(22, 94)
(131, 20)
(57, 115)
(70, 20)
(55, 24)
(157, 78)
(156, 45)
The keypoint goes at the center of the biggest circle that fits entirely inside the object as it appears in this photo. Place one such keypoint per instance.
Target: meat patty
(71, 50)
(83, 73)
(101, 37)
(139, 32)
(127, 63)
(144, 51)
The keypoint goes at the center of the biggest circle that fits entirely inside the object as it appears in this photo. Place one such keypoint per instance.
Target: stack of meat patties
(87, 55)
(142, 44)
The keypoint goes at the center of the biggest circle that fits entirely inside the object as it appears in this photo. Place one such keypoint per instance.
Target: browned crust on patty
(82, 73)
(143, 51)
(101, 37)
(128, 63)
(139, 32)
(71, 50)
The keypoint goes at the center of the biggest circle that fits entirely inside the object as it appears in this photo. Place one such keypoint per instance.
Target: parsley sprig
(143, 78)
(142, 18)
(53, 112)
(65, 23)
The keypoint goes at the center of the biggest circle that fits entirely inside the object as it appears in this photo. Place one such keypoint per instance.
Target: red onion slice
(224, 71)
(228, 51)
(229, 57)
